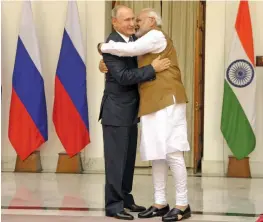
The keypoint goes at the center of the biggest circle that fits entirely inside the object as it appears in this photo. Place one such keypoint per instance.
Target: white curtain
(137, 6)
(179, 22)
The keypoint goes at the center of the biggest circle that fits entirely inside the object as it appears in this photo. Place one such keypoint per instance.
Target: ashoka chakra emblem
(240, 73)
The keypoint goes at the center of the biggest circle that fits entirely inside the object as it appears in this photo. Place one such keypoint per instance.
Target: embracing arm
(153, 41)
(124, 76)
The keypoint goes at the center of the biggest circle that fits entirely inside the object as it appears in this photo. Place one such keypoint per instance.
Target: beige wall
(49, 17)
(49, 20)
(220, 19)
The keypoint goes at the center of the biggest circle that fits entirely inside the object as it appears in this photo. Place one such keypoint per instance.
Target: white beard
(138, 34)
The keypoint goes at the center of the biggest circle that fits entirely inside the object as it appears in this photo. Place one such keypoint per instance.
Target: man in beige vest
(163, 115)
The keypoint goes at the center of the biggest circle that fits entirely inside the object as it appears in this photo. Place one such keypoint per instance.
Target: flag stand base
(68, 164)
(30, 165)
(238, 168)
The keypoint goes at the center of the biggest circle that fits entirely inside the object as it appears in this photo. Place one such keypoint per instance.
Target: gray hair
(153, 13)
(114, 11)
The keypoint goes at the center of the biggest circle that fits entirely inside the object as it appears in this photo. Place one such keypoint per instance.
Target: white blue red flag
(28, 112)
(70, 112)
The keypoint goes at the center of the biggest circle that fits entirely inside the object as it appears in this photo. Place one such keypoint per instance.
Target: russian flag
(28, 112)
(70, 111)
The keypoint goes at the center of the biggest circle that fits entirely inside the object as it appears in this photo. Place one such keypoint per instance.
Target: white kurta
(164, 132)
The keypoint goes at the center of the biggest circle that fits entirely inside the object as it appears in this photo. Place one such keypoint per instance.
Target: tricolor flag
(28, 113)
(70, 112)
(239, 102)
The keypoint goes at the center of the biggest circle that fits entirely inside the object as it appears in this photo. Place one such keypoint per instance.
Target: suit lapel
(118, 37)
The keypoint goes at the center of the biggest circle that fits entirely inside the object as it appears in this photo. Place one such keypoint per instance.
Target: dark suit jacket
(120, 101)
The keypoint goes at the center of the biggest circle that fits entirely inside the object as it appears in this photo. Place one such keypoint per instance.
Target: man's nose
(132, 23)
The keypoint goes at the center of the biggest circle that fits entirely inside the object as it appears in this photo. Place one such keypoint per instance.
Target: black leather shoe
(135, 208)
(123, 216)
(154, 212)
(174, 215)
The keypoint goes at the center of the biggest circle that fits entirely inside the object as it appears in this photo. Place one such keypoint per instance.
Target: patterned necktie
(130, 39)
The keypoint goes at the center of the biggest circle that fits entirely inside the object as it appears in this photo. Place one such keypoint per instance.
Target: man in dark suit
(119, 116)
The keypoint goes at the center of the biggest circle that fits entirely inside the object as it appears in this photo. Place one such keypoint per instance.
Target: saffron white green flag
(239, 104)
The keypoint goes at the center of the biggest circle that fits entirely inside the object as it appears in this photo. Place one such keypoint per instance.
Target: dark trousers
(119, 153)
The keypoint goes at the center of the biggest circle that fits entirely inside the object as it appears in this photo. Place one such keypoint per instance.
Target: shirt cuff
(102, 47)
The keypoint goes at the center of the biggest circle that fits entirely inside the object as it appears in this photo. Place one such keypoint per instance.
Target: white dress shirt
(126, 39)
(152, 42)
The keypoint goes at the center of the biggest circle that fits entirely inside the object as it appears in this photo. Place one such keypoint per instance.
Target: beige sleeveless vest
(158, 94)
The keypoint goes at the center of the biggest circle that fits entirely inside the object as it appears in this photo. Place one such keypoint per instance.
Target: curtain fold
(179, 22)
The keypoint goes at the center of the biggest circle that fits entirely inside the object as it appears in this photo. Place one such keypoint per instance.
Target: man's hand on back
(102, 67)
(160, 64)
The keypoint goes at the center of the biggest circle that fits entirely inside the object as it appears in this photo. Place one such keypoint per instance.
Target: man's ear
(113, 21)
(153, 22)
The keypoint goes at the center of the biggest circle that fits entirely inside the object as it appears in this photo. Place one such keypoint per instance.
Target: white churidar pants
(160, 172)
(163, 140)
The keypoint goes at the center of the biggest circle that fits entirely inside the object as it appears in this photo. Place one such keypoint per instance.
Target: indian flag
(239, 102)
